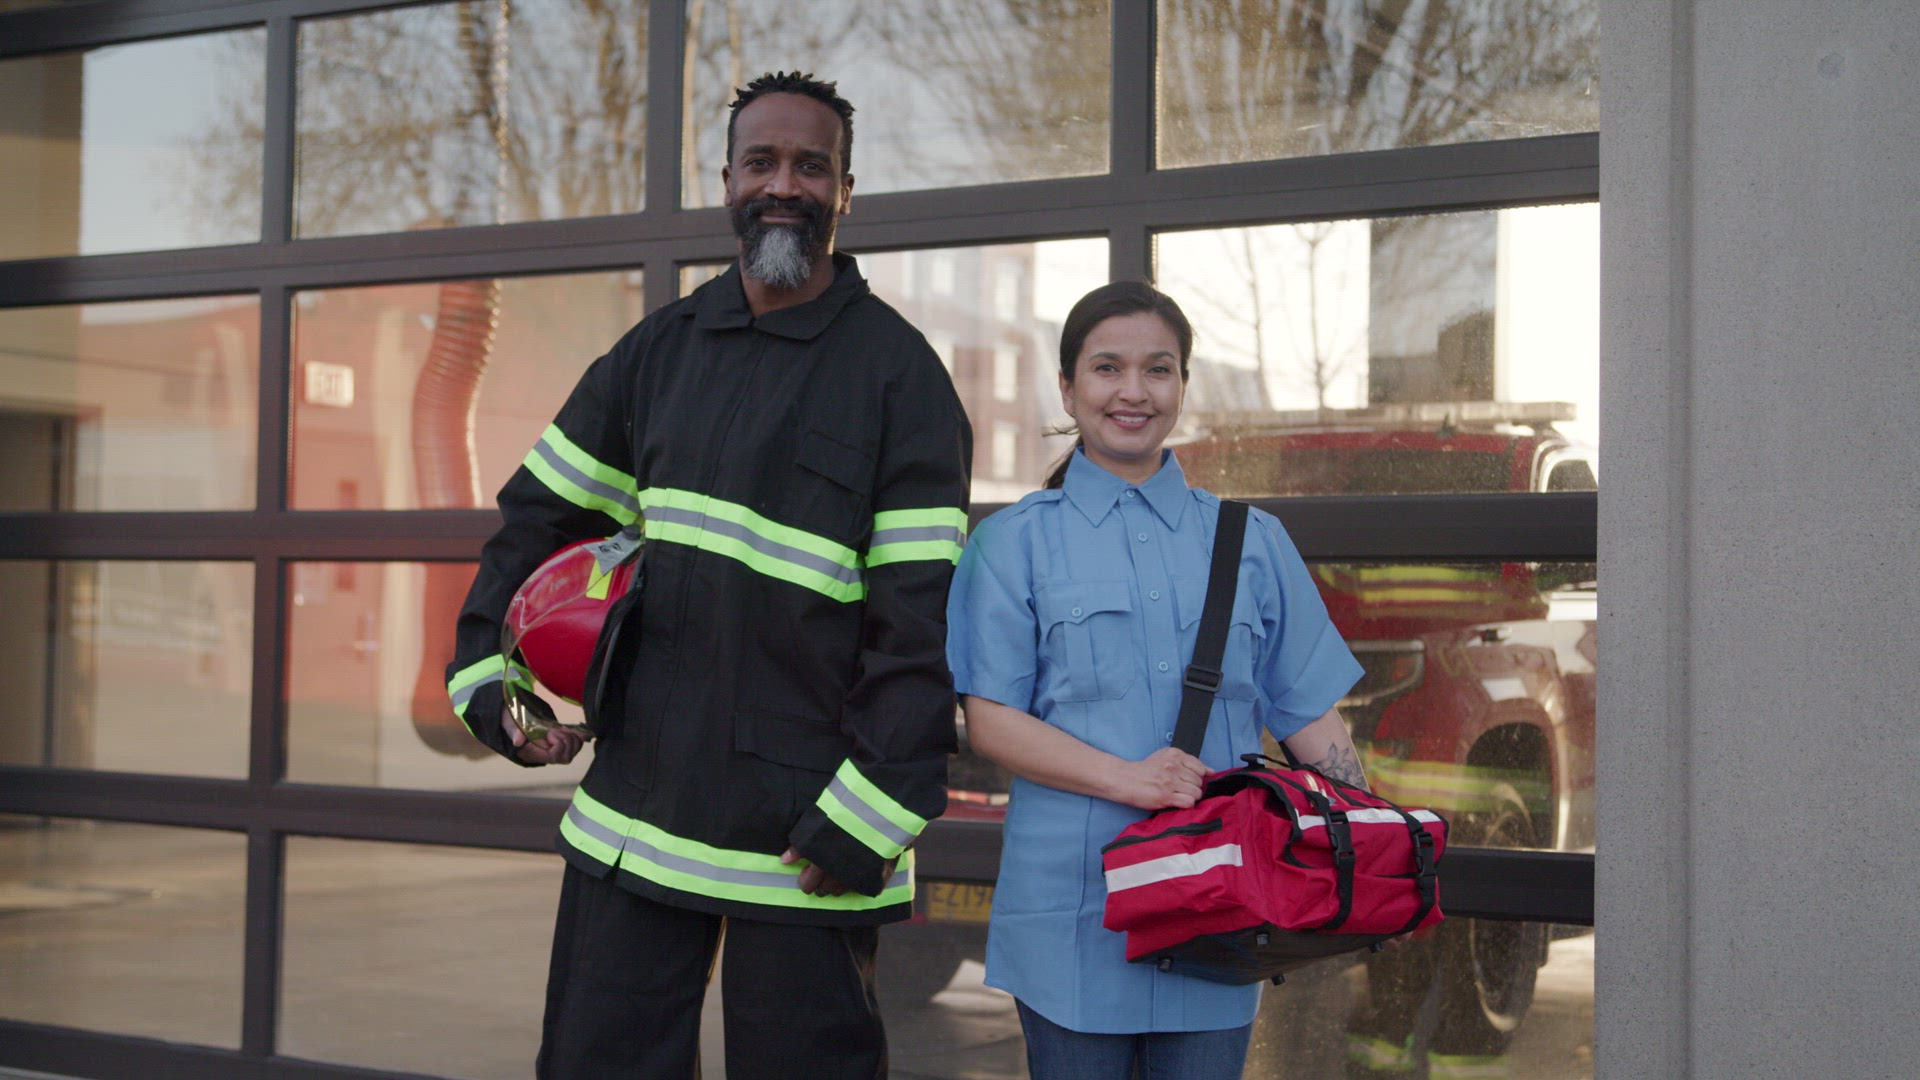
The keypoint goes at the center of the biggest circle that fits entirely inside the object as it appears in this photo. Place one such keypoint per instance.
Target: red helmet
(555, 617)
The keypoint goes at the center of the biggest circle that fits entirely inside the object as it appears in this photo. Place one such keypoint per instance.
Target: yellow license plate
(952, 901)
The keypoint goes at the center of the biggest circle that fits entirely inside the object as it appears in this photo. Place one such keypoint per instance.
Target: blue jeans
(1057, 1053)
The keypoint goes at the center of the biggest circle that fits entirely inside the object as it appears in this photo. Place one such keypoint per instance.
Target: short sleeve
(992, 635)
(1307, 668)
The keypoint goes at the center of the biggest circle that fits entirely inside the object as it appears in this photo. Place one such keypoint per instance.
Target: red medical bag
(1273, 868)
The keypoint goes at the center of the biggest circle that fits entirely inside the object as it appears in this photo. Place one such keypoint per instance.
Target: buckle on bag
(1337, 830)
(1423, 852)
(1201, 678)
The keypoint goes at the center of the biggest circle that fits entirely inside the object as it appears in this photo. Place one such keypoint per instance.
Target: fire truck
(1478, 693)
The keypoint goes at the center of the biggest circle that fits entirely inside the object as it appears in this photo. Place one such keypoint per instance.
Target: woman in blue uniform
(1071, 620)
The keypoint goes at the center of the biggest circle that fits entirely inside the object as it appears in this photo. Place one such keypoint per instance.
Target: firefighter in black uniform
(777, 736)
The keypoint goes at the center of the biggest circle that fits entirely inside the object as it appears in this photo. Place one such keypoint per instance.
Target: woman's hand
(1168, 777)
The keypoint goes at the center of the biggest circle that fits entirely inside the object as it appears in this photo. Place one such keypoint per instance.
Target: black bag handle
(1203, 674)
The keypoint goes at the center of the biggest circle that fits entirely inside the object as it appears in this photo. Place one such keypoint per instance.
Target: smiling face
(786, 186)
(1126, 393)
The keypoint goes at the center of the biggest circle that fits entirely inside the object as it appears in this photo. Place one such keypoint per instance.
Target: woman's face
(1125, 394)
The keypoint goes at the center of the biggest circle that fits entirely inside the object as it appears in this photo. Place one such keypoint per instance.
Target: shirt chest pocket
(827, 488)
(1246, 636)
(1087, 635)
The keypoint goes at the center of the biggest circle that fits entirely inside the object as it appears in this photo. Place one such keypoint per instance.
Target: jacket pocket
(1087, 632)
(1246, 636)
(829, 488)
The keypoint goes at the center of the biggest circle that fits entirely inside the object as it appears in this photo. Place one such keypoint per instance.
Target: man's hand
(1168, 777)
(556, 747)
(817, 882)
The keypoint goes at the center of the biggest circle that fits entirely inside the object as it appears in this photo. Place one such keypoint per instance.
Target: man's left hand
(817, 882)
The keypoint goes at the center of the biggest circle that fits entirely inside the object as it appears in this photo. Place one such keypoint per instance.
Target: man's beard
(781, 256)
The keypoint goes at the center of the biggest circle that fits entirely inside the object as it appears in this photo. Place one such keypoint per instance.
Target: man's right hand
(556, 747)
(1168, 777)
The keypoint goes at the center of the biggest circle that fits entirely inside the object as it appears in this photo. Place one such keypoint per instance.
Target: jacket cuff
(481, 715)
(854, 830)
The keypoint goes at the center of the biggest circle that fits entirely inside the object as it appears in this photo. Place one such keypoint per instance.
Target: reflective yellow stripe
(868, 814)
(931, 535)
(1450, 787)
(650, 852)
(578, 477)
(768, 547)
(1380, 1055)
(469, 679)
(1467, 1066)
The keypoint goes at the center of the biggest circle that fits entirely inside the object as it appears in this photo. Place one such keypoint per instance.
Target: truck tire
(1486, 968)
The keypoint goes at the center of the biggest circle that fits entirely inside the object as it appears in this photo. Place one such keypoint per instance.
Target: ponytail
(1058, 477)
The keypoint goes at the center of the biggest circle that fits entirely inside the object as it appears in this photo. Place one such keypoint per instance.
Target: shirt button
(1076, 613)
(1163, 665)
(1142, 538)
(1169, 736)
(1131, 493)
(1154, 595)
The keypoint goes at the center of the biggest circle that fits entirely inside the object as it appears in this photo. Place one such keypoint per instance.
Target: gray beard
(777, 258)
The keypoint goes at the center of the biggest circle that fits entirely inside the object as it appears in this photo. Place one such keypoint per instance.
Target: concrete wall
(1759, 878)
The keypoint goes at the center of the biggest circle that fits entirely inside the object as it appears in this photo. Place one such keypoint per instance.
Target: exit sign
(329, 384)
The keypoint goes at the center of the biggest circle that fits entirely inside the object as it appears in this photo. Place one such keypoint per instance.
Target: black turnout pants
(629, 974)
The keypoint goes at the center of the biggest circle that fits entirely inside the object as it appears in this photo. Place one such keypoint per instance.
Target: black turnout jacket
(802, 478)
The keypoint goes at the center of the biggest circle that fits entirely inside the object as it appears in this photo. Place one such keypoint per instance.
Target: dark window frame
(1128, 206)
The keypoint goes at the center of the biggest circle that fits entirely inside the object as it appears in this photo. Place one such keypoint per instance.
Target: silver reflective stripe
(868, 814)
(721, 527)
(626, 499)
(594, 829)
(694, 867)
(915, 534)
(465, 694)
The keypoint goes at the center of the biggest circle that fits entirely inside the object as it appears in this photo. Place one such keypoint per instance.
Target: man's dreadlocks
(794, 82)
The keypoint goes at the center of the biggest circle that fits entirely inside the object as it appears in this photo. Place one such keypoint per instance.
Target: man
(777, 736)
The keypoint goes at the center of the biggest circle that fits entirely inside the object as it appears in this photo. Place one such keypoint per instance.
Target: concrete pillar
(1761, 242)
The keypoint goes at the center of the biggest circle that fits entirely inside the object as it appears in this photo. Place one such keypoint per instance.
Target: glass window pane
(1287, 78)
(137, 406)
(428, 396)
(1477, 699)
(367, 651)
(945, 92)
(1442, 353)
(377, 975)
(994, 314)
(155, 144)
(1471, 998)
(129, 929)
(470, 114)
(127, 666)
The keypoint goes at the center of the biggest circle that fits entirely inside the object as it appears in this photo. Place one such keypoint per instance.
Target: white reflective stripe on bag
(1169, 867)
(1372, 816)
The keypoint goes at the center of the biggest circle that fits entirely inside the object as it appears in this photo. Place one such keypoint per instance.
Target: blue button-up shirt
(1080, 606)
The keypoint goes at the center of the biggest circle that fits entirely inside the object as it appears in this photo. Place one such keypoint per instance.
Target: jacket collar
(721, 304)
(1094, 490)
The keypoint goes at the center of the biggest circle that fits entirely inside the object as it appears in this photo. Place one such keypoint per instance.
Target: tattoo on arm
(1341, 764)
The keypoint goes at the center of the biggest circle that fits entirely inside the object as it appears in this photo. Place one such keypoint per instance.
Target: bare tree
(1249, 79)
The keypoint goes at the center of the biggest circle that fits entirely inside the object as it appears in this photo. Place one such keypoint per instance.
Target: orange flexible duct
(446, 472)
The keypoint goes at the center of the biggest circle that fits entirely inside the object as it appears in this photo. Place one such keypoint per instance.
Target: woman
(1071, 621)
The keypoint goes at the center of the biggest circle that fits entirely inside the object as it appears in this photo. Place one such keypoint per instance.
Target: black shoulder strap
(1203, 674)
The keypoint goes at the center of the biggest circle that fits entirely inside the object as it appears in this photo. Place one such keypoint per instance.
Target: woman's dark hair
(1111, 301)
